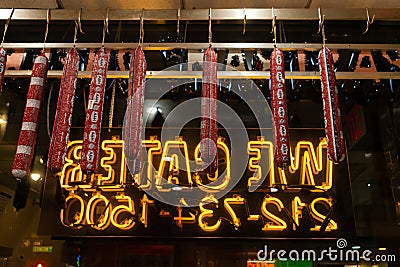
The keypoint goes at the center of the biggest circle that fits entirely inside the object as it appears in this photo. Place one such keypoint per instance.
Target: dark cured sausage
(94, 114)
(333, 124)
(30, 121)
(208, 122)
(134, 111)
(62, 119)
(279, 110)
(3, 61)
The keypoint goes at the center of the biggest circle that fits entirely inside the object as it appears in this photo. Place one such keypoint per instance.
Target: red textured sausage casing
(94, 114)
(30, 121)
(208, 121)
(3, 62)
(62, 119)
(134, 112)
(333, 124)
(279, 110)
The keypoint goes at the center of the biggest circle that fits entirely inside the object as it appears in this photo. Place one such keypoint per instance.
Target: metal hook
(78, 25)
(321, 20)
(244, 21)
(105, 27)
(141, 27)
(273, 30)
(47, 28)
(48, 18)
(79, 21)
(321, 27)
(369, 21)
(76, 31)
(178, 22)
(6, 26)
(209, 28)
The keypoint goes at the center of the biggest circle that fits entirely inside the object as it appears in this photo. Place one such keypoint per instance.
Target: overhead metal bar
(308, 75)
(198, 46)
(202, 14)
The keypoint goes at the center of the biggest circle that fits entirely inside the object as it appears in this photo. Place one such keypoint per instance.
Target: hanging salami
(134, 111)
(279, 110)
(62, 119)
(28, 133)
(208, 122)
(94, 113)
(333, 125)
(3, 61)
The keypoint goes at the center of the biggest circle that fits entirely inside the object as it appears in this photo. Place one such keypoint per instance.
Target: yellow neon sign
(174, 163)
(226, 179)
(254, 149)
(311, 163)
(108, 162)
(127, 223)
(122, 215)
(297, 211)
(332, 225)
(307, 161)
(71, 171)
(237, 200)
(180, 220)
(275, 223)
(208, 213)
(154, 146)
(145, 202)
(100, 211)
(79, 216)
(102, 222)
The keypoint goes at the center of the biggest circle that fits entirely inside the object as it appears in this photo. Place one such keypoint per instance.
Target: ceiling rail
(301, 75)
(387, 14)
(233, 47)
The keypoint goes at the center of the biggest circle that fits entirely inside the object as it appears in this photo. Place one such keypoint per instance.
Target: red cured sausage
(333, 124)
(208, 122)
(134, 111)
(279, 110)
(62, 119)
(94, 114)
(3, 61)
(27, 136)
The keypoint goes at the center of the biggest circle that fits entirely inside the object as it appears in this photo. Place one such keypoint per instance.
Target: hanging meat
(30, 121)
(94, 113)
(62, 119)
(3, 61)
(279, 110)
(333, 124)
(134, 111)
(208, 121)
